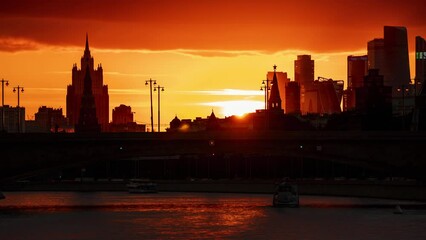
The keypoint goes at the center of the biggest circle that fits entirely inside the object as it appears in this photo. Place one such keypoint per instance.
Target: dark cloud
(270, 25)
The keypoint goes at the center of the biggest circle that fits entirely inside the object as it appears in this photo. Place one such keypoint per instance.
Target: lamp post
(18, 90)
(2, 102)
(159, 89)
(403, 89)
(151, 82)
(265, 87)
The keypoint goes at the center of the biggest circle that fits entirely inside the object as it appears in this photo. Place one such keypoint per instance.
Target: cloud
(319, 26)
(16, 44)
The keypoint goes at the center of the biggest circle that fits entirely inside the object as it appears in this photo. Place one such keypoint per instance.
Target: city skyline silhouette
(219, 75)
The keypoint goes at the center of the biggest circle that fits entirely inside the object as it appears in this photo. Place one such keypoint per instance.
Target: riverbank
(404, 190)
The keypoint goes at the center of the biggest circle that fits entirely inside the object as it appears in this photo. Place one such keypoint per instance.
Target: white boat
(141, 186)
(286, 195)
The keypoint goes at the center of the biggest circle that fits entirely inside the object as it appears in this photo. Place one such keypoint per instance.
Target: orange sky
(195, 49)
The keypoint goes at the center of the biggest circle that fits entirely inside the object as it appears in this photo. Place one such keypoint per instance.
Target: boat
(141, 186)
(286, 195)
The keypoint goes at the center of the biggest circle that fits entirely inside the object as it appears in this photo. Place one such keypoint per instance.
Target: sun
(239, 107)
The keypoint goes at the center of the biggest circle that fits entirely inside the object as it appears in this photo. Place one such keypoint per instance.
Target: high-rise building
(390, 56)
(397, 67)
(99, 90)
(420, 62)
(376, 54)
(304, 68)
(357, 70)
(292, 95)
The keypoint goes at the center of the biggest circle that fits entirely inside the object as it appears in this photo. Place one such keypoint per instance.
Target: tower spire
(274, 99)
(87, 50)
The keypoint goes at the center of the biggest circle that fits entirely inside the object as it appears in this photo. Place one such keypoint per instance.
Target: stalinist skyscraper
(99, 90)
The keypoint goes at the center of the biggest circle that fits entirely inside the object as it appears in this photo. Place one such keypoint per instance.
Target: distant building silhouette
(304, 69)
(376, 54)
(274, 102)
(374, 102)
(122, 114)
(122, 120)
(87, 119)
(100, 91)
(390, 56)
(397, 67)
(48, 119)
(420, 63)
(357, 70)
(292, 96)
(11, 119)
(211, 123)
(323, 96)
(419, 114)
(282, 79)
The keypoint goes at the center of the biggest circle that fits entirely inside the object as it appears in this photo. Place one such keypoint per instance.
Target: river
(119, 215)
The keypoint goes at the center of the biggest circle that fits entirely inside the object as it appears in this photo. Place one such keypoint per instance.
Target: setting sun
(238, 108)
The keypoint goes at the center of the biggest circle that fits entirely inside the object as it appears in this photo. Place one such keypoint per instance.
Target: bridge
(390, 152)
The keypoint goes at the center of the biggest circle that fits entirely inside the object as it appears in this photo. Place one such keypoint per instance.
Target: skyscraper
(376, 54)
(304, 69)
(292, 95)
(397, 68)
(390, 56)
(99, 91)
(357, 70)
(420, 62)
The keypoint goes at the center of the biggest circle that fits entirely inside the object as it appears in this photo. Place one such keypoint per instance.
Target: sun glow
(238, 107)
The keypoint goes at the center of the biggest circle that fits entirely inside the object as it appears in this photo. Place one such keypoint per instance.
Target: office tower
(420, 63)
(282, 79)
(376, 54)
(390, 56)
(292, 95)
(397, 68)
(357, 69)
(99, 90)
(304, 69)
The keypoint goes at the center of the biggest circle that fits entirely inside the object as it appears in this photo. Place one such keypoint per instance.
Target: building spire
(274, 99)
(87, 50)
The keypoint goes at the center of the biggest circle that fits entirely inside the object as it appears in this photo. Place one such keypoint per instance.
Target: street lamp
(265, 87)
(151, 82)
(160, 89)
(403, 89)
(2, 102)
(19, 89)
